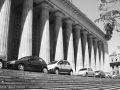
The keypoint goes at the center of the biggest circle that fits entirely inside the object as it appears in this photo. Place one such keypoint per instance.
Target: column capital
(45, 5)
(90, 35)
(84, 31)
(99, 42)
(77, 26)
(58, 13)
(95, 39)
(68, 20)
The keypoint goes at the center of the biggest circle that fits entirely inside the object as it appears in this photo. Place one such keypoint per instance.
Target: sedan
(86, 72)
(31, 63)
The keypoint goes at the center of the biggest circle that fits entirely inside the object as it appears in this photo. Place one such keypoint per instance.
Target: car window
(97, 71)
(83, 69)
(67, 63)
(60, 62)
(40, 59)
(30, 59)
(90, 69)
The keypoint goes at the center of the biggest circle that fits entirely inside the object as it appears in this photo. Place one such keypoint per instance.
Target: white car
(62, 66)
(86, 72)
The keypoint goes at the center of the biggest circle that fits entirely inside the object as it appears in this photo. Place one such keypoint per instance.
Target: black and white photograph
(59, 44)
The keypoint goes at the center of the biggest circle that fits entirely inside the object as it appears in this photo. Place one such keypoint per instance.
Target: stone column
(102, 62)
(90, 43)
(83, 41)
(103, 54)
(77, 47)
(95, 49)
(58, 36)
(25, 48)
(106, 59)
(68, 42)
(93, 59)
(4, 26)
(43, 27)
(99, 50)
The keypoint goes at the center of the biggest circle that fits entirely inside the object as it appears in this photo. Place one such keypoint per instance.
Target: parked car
(116, 76)
(108, 75)
(99, 74)
(86, 72)
(31, 63)
(61, 66)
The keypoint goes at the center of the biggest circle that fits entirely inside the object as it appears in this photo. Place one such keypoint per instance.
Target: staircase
(12, 79)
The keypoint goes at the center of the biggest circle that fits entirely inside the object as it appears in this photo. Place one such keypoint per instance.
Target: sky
(90, 9)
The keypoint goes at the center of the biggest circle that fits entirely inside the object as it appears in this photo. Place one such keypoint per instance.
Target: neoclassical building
(52, 30)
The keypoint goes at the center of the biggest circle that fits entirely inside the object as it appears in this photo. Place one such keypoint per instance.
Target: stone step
(35, 80)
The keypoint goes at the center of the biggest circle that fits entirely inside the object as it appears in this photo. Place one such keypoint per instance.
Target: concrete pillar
(77, 47)
(90, 43)
(99, 50)
(83, 41)
(103, 54)
(4, 26)
(106, 62)
(68, 42)
(86, 61)
(106, 59)
(97, 60)
(95, 49)
(102, 64)
(58, 36)
(93, 66)
(43, 27)
(25, 48)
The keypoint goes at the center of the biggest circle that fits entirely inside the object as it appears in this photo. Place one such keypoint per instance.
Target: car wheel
(86, 74)
(1, 64)
(45, 70)
(71, 73)
(21, 67)
(56, 71)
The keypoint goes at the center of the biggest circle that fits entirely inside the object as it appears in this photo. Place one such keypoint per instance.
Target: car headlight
(12, 62)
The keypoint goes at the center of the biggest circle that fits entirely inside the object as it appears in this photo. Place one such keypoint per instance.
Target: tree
(110, 16)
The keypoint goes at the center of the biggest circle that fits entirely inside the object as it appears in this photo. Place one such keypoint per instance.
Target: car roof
(27, 57)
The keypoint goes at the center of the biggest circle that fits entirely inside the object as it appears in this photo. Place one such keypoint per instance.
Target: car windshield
(97, 71)
(83, 69)
(53, 62)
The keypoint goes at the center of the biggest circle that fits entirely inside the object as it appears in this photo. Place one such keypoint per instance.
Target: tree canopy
(110, 16)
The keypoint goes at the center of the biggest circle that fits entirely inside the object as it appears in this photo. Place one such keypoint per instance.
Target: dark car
(99, 74)
(31, 63)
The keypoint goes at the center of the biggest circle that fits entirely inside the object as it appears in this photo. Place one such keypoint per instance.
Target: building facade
(52, 30)
(115, 63)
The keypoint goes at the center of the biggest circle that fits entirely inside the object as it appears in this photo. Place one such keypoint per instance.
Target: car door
(91, 72)
(33, 64)
(37, 64)
(61, 66)
(67, 66)
(30, 64)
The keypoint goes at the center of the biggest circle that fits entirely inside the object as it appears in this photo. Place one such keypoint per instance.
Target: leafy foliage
(109, 17)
